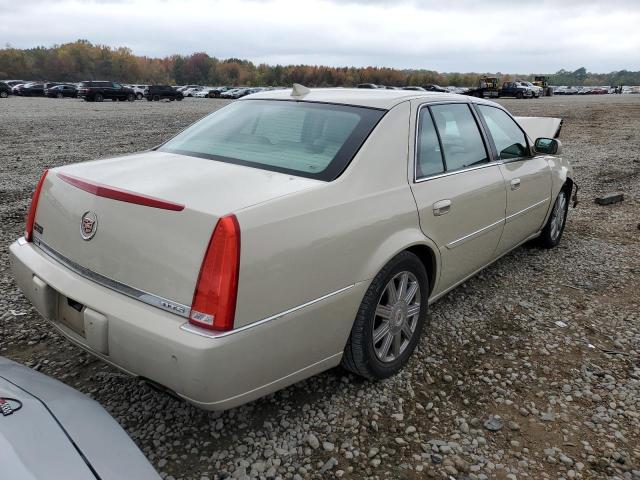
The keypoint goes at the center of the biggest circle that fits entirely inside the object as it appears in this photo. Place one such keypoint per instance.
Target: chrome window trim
(513, 216)
(472, 235)
(491, 162)
(187, 327)
(165, 304)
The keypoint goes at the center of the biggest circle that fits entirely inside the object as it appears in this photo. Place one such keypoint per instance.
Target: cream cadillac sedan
(287, 233)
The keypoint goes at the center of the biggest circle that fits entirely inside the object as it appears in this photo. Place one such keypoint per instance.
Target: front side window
(429, 155)
(509, 139)
(300, 138)
(461, 140)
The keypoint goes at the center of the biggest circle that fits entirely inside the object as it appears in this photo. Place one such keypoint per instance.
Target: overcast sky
(443, 35)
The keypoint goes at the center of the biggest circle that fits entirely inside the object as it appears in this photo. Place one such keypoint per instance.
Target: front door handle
(515, 184)
(441, 207)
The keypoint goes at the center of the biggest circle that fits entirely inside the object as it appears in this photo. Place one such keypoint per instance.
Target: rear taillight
(31, 216)
(214, 300)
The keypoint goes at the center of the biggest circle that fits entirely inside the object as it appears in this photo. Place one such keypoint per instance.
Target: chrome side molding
(132, 292)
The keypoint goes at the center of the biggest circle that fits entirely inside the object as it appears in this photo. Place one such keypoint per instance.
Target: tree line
(82, 60)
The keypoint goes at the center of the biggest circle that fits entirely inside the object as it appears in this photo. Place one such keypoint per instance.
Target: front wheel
(179, 98)
(131, 97)
(390, 319)
(519, 95)
(156, 98)
(552, 231)
(98, 97)
(139, 96)
(4, 94)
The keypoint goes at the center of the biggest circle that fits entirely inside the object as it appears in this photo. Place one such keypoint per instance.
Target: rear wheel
(98, 97)
(390, 319)
(139, 96)
(4, 94)
(131, 97)
(519, 95)
(156, 98)
(179, 98)
(552, 231)
(59, 95)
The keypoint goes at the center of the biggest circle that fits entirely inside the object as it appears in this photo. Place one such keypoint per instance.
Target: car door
(527, 178)
(117, 91)
(459, 190)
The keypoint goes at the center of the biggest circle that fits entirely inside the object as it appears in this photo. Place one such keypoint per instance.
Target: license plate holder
(71, 314)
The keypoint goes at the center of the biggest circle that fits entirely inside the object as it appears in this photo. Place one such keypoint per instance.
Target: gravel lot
(529, 370)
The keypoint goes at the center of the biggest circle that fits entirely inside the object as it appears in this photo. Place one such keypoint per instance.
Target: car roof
(363, 97)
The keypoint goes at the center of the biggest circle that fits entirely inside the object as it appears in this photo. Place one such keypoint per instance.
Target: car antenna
(299, 90)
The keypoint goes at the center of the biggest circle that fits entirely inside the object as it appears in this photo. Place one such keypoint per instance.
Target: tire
(552, 231)
(519, 95)
(139, 96)
(59, 95)
(171, 99)
(131, 97)
(4, 94)
(156, 98)
(179, 98)
(98, 97)
(362, 354)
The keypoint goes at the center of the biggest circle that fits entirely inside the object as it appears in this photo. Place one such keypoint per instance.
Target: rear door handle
(515, 184)
(441, 207)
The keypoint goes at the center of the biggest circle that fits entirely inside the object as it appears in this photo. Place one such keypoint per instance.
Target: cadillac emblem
(88, 225)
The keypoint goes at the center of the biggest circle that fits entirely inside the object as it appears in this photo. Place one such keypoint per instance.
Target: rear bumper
(212, 373)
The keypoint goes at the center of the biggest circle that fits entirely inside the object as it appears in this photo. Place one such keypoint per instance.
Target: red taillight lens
(31, 216)
(214, 300)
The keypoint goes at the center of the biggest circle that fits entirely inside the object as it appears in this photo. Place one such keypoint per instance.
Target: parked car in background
(32, 89)
(138, 90)
(97, 91)
(191, 91)
(434, 88)
(235, 93)
(160, 92)
(217, 91)
(186, 87)
(204, 93)
(515, 89)
(16, 88)
(414, 88)
(287, 233)
(5, 90)
(51, 431)
(62, 91)
(536, 90)
(13, 83)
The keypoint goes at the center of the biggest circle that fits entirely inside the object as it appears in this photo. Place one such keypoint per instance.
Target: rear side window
(301, 138)
(461, 141)
(429, 159)
(509, 139)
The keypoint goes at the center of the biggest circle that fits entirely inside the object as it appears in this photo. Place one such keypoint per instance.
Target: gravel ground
(529, 370)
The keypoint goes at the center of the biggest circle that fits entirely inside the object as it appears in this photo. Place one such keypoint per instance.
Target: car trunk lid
(141, 223)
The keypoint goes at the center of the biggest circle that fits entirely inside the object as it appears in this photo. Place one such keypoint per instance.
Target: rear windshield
(314, 140)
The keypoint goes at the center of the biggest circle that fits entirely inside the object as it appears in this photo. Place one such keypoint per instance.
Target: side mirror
(548, 146)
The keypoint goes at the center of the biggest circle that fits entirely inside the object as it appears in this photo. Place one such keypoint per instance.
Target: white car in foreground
(286, 233)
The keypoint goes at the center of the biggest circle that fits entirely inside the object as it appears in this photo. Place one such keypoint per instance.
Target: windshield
(307, 139)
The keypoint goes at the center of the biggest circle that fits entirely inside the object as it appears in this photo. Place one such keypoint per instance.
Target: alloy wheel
(558, 216)
(396, 316)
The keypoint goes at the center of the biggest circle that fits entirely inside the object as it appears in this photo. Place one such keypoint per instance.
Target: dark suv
(97, 91)
(158, 92)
